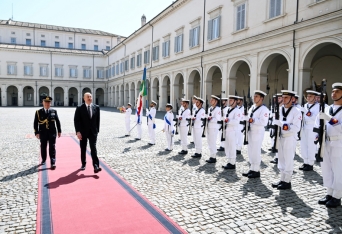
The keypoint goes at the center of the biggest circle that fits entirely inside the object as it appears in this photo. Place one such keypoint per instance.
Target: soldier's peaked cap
(288, 92)
(47, 99)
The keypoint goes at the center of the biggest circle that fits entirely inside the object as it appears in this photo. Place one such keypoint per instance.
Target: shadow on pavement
(26, 172)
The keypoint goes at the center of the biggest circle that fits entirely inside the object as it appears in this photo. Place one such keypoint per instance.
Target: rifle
(269, 123)
(222, 123)
(176, 120)
(245, 140)
(301, 122)
(189, 122)
(277, 128)
(322, 126)
(205, 119)
(272, 111)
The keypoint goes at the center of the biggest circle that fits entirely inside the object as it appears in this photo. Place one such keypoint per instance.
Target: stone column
(224, 90)
(254, 82)
(66, 96)
(3, 95)
(20, 96)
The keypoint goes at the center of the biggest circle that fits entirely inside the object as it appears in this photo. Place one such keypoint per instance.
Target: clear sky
(120, 17)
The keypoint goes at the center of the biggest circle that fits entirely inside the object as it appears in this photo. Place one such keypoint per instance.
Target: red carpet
(75, 201)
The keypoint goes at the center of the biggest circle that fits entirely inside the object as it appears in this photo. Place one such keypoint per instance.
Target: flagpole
(146, 101)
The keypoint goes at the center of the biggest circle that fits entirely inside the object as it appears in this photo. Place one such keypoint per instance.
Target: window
(96, 47)
(11, 69)
(28, 41)
(107, 47)
(179, 43)
(126, 65)
(132, 62)
(113, 70)
(275, 8)
(194, 37)
(166, 49)
(13, 40)
(240, 17)
(59, 71)
(117, 69)
(86, 73)
(147, 57)
(100, 73)
(214, 28)
(83, 46)
(139, 60)
(121, 67)
(70, 45)
(28, 71)
(73, 72)
(42, 43)
(57, 44)
(43, 71)
(155, 53)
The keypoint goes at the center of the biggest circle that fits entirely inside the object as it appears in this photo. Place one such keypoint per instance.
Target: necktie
(89, 112)
(47, 112)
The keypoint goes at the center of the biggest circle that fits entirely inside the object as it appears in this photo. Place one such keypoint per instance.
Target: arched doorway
(239, 78)
(73, 97)
(178, 87)
(99, 99)
(213, 82)
(12, 96)
(155, 90)
(165, 95)
(132, 93)
(194, 84)
(121, 96)
(58, 96)
(86, 90)
(323, 61)
(0, 97)
(43, 91)
(28, 96)
(126, 95)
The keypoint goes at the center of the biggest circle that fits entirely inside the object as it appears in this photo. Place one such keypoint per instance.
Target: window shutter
(76, 73)
(62, 73)
(175, 45)
(41, 71)
(181, 46)
(148, 56)
(218, 26)
(243, 14)
(98, 74)
(56, 71)
(157, 52)
(84, 73)
(278, 8)
(31, 71)
(8, 69)
(191, 37)
(272, 7)
(210, 29)
(198, 34)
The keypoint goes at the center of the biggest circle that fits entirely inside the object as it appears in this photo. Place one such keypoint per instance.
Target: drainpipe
(51, 70)
(294, 48)
(203, 32)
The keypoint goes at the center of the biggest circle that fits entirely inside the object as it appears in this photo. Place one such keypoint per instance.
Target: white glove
(277, 122)
(302, 109)
(246, 118)
(223, 118)
(147, 112)
(177, 116)
(324, 116)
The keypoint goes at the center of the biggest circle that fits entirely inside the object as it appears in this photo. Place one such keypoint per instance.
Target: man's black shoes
(53, 166)
(183, 152)
(254, 174)
(308, 168)
(275, 185)
(245, 174)
(274, 161)
(220, 149)
(83, 167)
(333, 203)
(284, 185)
(196, 155)
(97, 169)
(238, 152)
(211, 160)
(229, 166)
(324, 200)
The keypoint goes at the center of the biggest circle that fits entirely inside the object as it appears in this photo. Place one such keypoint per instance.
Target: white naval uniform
(332, 156)
(139, 123)
(307, 145)
(184, 128)
(287, 141)
(181, 109)
(198, 129)
(128, 114)
(194, 109)
(169, 129)
(317, 146)
(233, 116)
(222, 143)
(151, 115)
(256, 135)
(239, 134)
(213, 128)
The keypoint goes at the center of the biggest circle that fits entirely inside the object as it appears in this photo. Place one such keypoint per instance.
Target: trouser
(128, 126)
(255, 139)
(332, 170)
(230, 147)
(239, 136)
(211, 139)
(286, 153)
(184, 137)
(179, 132)
(152, 133)
(222, 143)
(198, 139)
(44, 139)
(139, 130)
(193, 134)
(93, 152)
(307, 145)
(169, 140)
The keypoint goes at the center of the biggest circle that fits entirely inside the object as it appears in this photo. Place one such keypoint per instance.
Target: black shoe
(274, 161)
(97, 169)
(308, 168)
(324, 200)
(247, 173)
(211, 160)
(274, 151)
(196, 155)
(168, 149)
(284, 186)
(254, 174)
(151, 144)
(42, 163)
(220, 149)
(302, 166)
(183, 152)
(229, 166)
(83, 167)
(275, 185)
(270, 149)
(333, 203)
(53, 166)
(318, 159)
(137, 139)
(126, 135)
(192, 142)
(238, 152)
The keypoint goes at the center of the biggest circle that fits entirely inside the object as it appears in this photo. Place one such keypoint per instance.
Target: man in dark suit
(87, 126)
(45, 121)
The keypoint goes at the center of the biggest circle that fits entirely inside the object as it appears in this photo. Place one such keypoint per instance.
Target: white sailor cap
(194, 97)
(129, 104)
(200, 99)
(224, 99)
(233, 97)
(279, 94)
(185, 100)
(296, 96)
(261, 93)
(154, 102)
(168, 105)
(288, 92)
(241, 98)
(312, 92)
(337, 86)
(215, 97)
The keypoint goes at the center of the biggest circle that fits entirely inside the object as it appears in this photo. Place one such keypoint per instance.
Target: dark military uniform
(45, 125)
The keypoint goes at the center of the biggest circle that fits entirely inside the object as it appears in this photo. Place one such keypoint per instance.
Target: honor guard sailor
(232, 121)
(198, 120)
(257, 119)
(45, 122)
(213, 123)
(184, 120)
(169, 127)
(151, 116)
(239, 134)
(224, 109)
(289, 122)
(128, 113)
(194, 109)
(279, 99)
(332, 154)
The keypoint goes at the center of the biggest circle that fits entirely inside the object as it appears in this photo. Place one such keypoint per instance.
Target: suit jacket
(46, 123)
(83, 123)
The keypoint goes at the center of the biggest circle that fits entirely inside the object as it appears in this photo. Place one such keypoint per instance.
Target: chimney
(143, 20)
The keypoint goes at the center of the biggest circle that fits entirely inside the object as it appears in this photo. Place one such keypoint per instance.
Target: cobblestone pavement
(200, 197)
